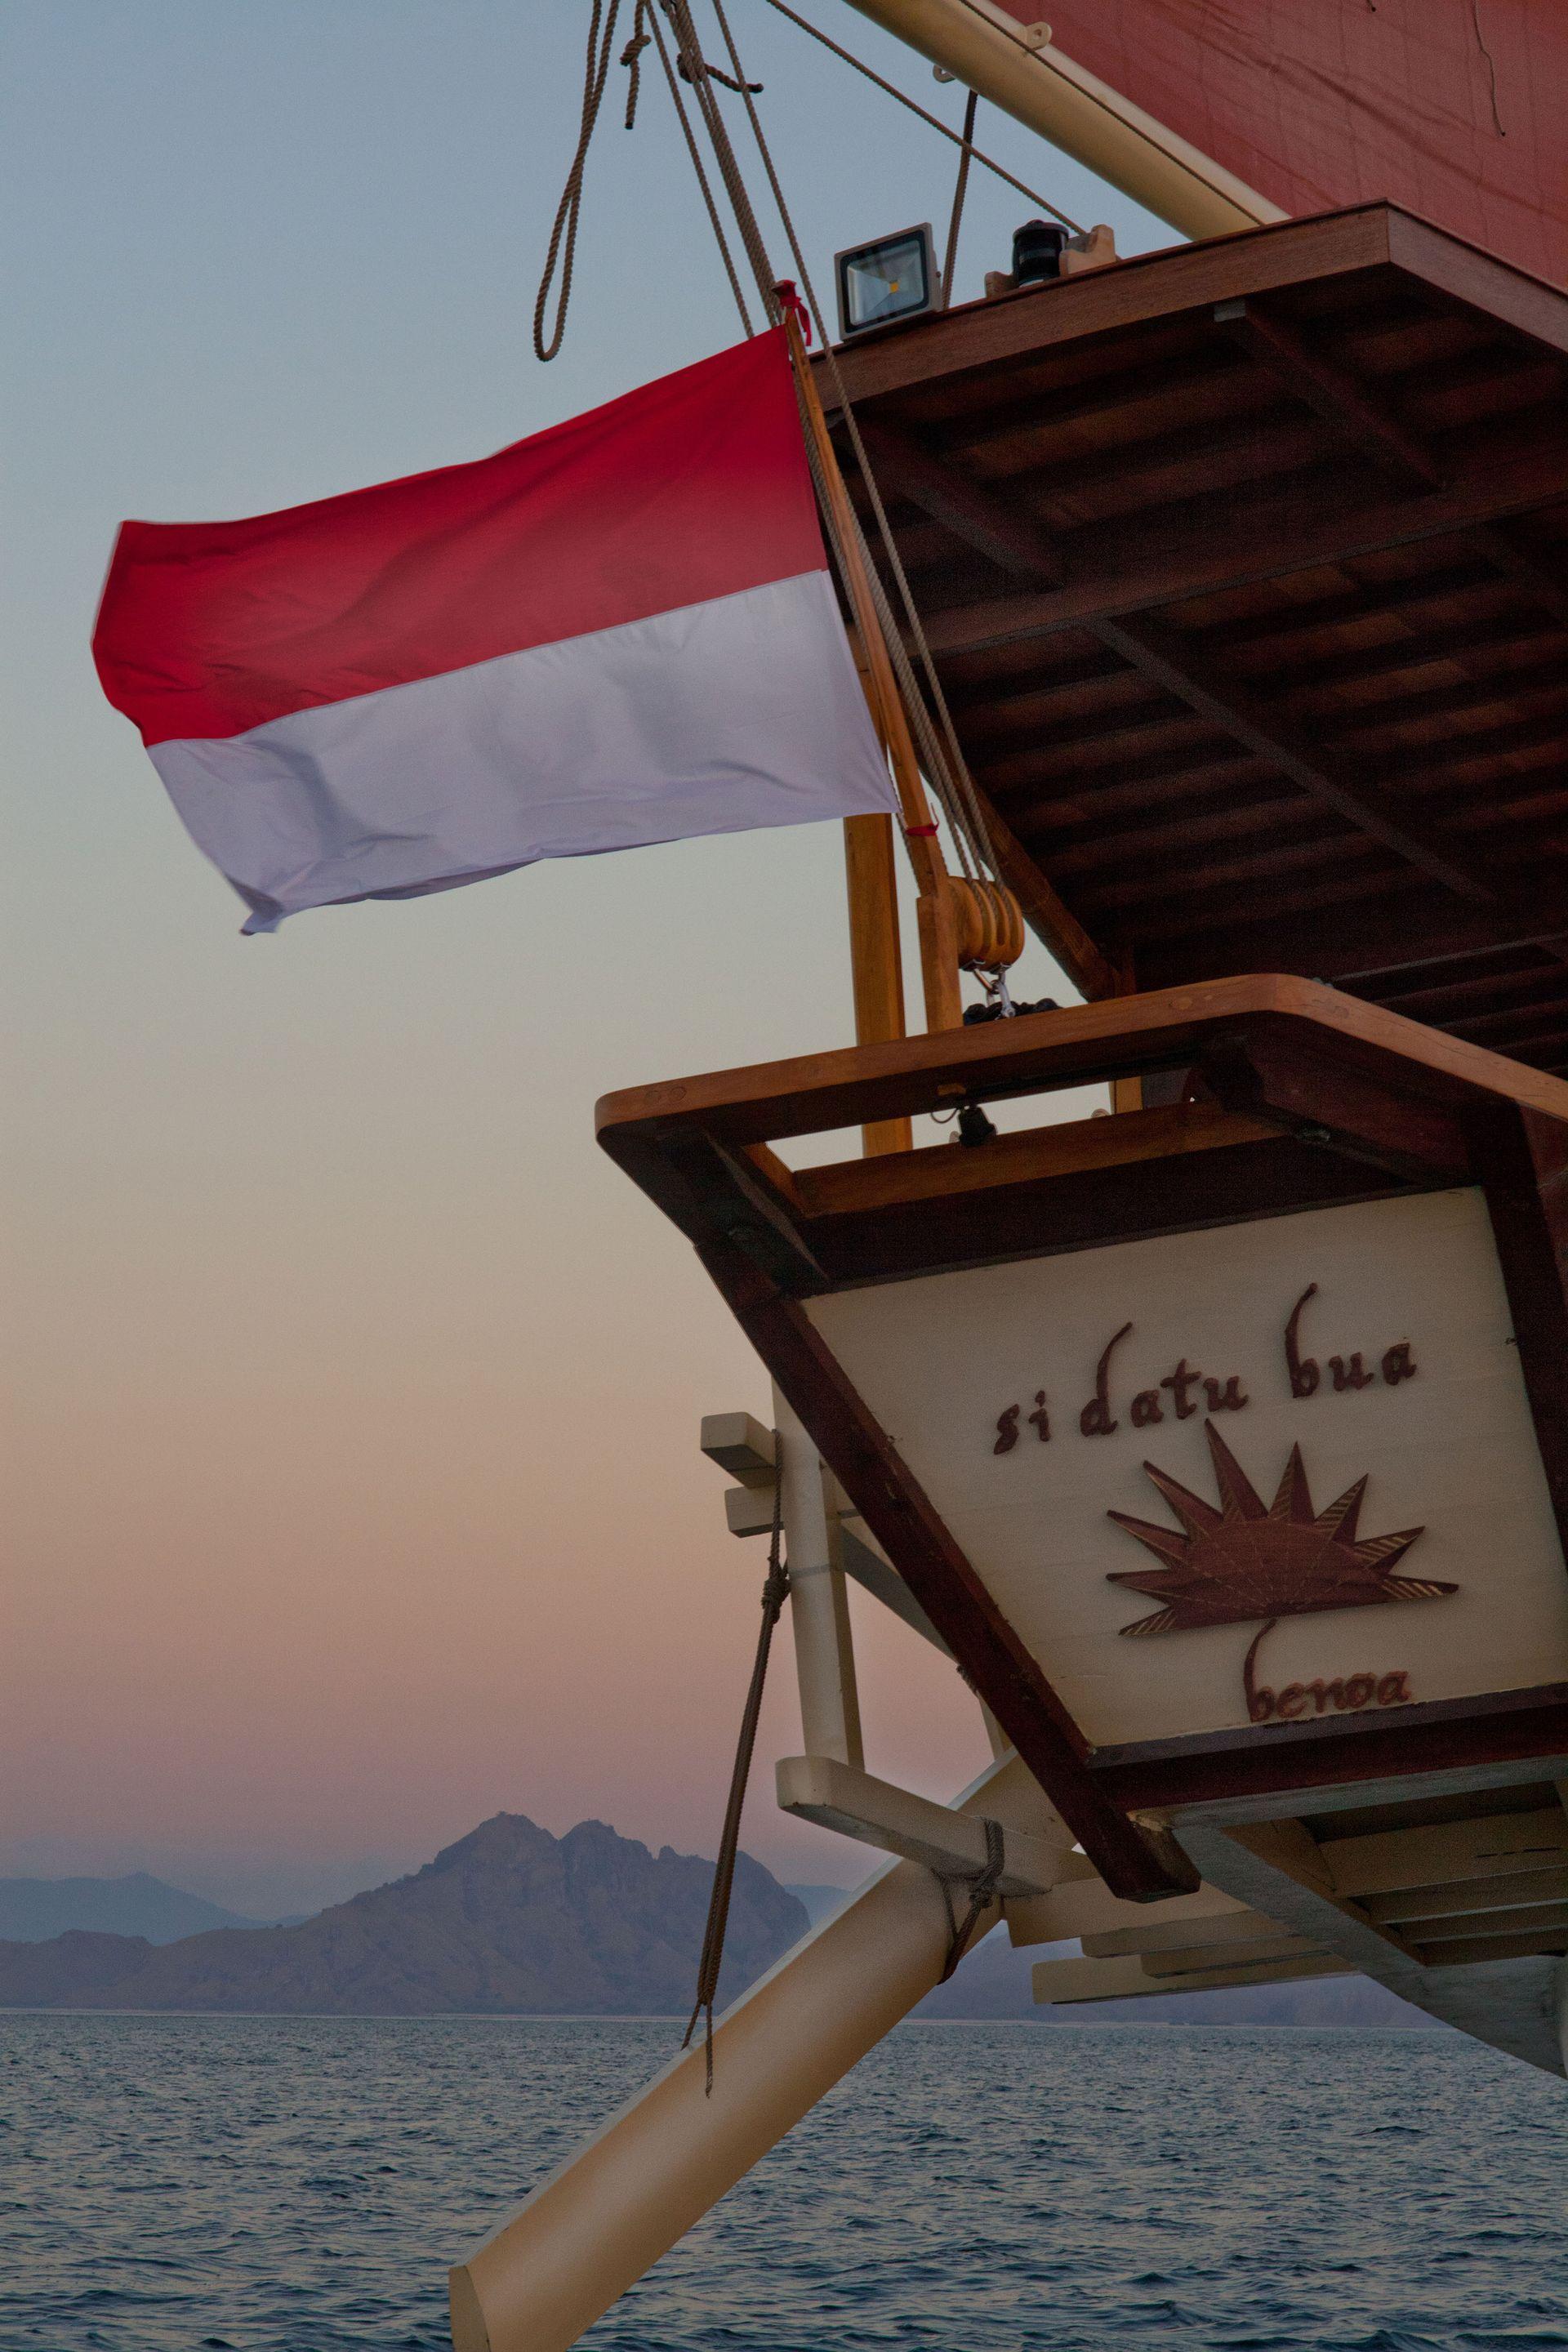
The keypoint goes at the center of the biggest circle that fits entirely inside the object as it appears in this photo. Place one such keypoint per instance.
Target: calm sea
(281, 2185)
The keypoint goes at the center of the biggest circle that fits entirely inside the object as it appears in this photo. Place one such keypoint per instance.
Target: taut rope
(775, 1591)
(981, 1891)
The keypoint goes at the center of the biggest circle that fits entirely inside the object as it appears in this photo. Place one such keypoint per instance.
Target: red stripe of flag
(208, 629)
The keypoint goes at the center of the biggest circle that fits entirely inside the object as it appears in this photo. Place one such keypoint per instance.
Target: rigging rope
(695, 152)
(933, 122)
(940, 756)
(596, 72)
(947, 771)
(775, 1591)
(981, 1891)
(960, 189)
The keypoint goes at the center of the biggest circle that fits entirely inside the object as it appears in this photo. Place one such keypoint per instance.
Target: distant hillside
(818, 1900)
(508, 1919)
(32, 1909)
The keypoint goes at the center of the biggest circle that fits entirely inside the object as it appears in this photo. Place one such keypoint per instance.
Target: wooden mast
(869, 841)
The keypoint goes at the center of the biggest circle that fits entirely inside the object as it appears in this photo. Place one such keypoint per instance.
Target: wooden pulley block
(989, 923)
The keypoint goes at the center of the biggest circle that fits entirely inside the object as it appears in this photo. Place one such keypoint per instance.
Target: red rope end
(789, 295)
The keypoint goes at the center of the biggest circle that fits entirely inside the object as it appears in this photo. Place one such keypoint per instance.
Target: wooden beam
(1086, 1906)
(1121, 575)
(1029, 1156)
(1159, 654)
(1469, 1898)
(1469, 1950)
(1368, 942)
(1007, 534)
(857, 1805)
(1494, 1846)
(1333, 389)
(1538, 1919)
(1228, 1924)
(1520, 1163)
(1516, 560)
(1145, 288)
(739, 1443)
(1326, 386)
(1184, 1961)
(1009, 539)
(1081, 1043)
(876, 962)
(1060, 1981)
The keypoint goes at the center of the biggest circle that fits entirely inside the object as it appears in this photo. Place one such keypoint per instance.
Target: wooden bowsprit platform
(1224, 1446)
(1246, 568)
(1223, 1443)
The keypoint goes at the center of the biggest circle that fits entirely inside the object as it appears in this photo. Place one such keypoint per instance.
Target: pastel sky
(353, 1483)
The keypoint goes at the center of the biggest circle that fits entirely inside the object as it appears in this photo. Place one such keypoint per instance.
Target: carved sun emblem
(1249, 1559)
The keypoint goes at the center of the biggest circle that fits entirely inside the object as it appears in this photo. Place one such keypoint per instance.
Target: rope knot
(787, 295)
(982, 1885)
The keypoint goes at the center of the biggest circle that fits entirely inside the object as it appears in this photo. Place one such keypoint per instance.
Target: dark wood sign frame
(1294, 1096)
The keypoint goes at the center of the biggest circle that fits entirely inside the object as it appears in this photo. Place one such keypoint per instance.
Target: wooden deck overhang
(1305, 1099)
(1245, 566)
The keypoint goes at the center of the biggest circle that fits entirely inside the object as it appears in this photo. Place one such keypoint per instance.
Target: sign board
(1258, 1474)
(1224, 1444)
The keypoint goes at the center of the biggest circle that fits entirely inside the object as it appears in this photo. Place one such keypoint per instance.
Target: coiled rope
(563, 233)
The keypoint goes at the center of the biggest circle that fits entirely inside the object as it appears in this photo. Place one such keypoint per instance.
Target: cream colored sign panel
(1263, 1473)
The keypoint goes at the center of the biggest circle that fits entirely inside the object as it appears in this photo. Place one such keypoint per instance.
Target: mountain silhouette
(508, 1919)
(137, 1905)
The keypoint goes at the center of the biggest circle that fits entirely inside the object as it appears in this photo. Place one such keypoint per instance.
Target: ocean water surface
(184, 2184)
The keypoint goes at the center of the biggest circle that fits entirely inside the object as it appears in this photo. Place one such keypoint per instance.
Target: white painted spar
(740, 711)
(595, 2226)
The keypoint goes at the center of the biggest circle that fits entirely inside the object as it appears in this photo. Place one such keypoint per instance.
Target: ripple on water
(300, 2185)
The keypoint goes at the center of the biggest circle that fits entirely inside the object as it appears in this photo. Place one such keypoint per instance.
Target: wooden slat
(1394, 933)
(1327, 388)
(1181, 1937)
(1148, 287)
(1470, 1899)
(1198, 560)
(1480, 1951)
(1082, 1981)
(1492, 1846)
(1179, 1966)
(1159, 654)
(1538, 1920)
(861, 1187)
(816, 1093)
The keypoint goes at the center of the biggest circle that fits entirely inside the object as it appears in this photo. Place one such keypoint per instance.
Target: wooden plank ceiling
(1245, 570)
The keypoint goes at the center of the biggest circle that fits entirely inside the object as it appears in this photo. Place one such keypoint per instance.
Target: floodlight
(895, 277)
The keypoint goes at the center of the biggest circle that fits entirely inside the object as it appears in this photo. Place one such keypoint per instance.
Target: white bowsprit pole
(592, 2230)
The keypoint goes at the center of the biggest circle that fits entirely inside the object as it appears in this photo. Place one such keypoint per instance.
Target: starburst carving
(1249, 1559)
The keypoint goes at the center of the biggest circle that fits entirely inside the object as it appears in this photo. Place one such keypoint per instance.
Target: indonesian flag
(618, 631)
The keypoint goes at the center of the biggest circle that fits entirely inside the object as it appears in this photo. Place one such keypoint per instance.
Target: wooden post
(1126, 1093)
(938, 929)
(818, 1602)
(875, 959)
